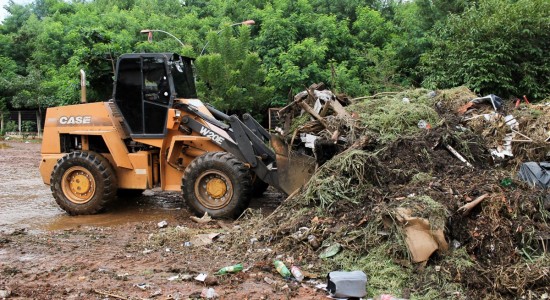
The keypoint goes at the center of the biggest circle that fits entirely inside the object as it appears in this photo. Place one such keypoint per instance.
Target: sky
(3, 12)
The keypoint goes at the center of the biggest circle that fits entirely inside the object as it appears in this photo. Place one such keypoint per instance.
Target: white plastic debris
(209, 293)
(4, 293)
(202, 220)
(186, 277)
(175, 277)
(308, 139)
(162, 224)
(423, 124)
(142, 286)
(201, 277)
(505, 149)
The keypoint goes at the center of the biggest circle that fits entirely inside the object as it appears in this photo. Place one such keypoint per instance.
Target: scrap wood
(523, 135)
(310, 110)
(339, 109)
(300, 97)
(283, 110)
(324, 110)
(360, 143)
(455, 153)
(109, 294)
(204, 239)
(202, 220)
(466, 208)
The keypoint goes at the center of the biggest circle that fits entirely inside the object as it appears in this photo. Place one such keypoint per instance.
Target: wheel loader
(154, 132)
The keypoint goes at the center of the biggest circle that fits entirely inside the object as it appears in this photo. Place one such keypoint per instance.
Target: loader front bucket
(293, 169)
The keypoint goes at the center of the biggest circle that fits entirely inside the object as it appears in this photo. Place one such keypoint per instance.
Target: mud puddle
(36, 210)
(151, 206)
(26, 202)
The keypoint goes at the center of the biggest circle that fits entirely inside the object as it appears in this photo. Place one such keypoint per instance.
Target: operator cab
(146, 85)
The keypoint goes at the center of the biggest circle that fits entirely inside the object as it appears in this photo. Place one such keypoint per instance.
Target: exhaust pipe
(82, 86)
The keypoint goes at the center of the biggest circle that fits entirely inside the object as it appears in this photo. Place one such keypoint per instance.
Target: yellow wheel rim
(216, 188)
(78, 185)
(213, 189)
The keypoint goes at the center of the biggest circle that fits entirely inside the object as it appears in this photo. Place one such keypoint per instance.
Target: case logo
(75, 120)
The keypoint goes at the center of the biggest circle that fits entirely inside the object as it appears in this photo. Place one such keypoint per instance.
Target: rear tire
(217, 183)
(83, 182)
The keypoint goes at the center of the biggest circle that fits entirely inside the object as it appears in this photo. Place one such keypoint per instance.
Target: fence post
(19, 120)
(38, 124)
(2, 121)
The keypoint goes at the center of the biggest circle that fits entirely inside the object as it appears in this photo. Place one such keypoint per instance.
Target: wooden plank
(310, 110)
(339, 109)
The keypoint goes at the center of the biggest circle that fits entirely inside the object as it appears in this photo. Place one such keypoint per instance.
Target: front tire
(83, 182)
(217, 183)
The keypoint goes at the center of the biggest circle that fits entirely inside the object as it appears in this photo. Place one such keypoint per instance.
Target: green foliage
(323, 190)
(231, 77)
(357, 47)
(390, 117)
(496, 47)
(10, 126)
(384, 275)
(28, 126)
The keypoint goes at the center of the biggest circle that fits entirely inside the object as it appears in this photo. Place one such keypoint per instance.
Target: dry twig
(465, 209)
(109, 294)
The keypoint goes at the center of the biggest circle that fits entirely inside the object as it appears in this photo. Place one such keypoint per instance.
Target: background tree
(231, 76)
(355, 46)
(496, 47)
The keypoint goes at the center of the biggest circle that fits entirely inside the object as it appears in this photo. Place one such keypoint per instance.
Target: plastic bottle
(281, 268)
(506, 182)
(297, 273)
(230, 269)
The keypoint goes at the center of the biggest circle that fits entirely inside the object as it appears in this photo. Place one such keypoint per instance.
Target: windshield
(182, 73)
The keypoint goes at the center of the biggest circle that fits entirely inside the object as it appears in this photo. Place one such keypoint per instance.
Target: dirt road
(122, 253)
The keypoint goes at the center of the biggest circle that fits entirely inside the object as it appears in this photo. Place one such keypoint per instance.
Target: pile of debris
(419, 190)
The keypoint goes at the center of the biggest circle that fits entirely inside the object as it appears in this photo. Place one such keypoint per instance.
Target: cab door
(143, 94)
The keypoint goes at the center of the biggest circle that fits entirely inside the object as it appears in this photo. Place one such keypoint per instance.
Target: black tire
(217, 183)
(83, 182)
(258, 187)
(129, 193)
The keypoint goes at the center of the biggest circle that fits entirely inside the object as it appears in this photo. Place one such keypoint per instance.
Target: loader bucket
(293, 169)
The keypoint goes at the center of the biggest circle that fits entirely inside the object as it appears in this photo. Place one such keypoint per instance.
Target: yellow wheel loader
(155, 133)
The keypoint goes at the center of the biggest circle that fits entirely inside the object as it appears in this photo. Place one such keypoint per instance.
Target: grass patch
(343, 178)
(421, 177)
(384, 276)
(167, 237)
(427, 208)
(299, 121)
(438, 281)
(390, 117)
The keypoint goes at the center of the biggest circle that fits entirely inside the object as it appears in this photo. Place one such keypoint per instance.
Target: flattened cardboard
(422, 241)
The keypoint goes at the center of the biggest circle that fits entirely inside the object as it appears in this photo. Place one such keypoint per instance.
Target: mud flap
(293, 169)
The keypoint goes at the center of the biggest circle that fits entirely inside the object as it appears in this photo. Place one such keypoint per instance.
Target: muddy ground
(122, 253)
